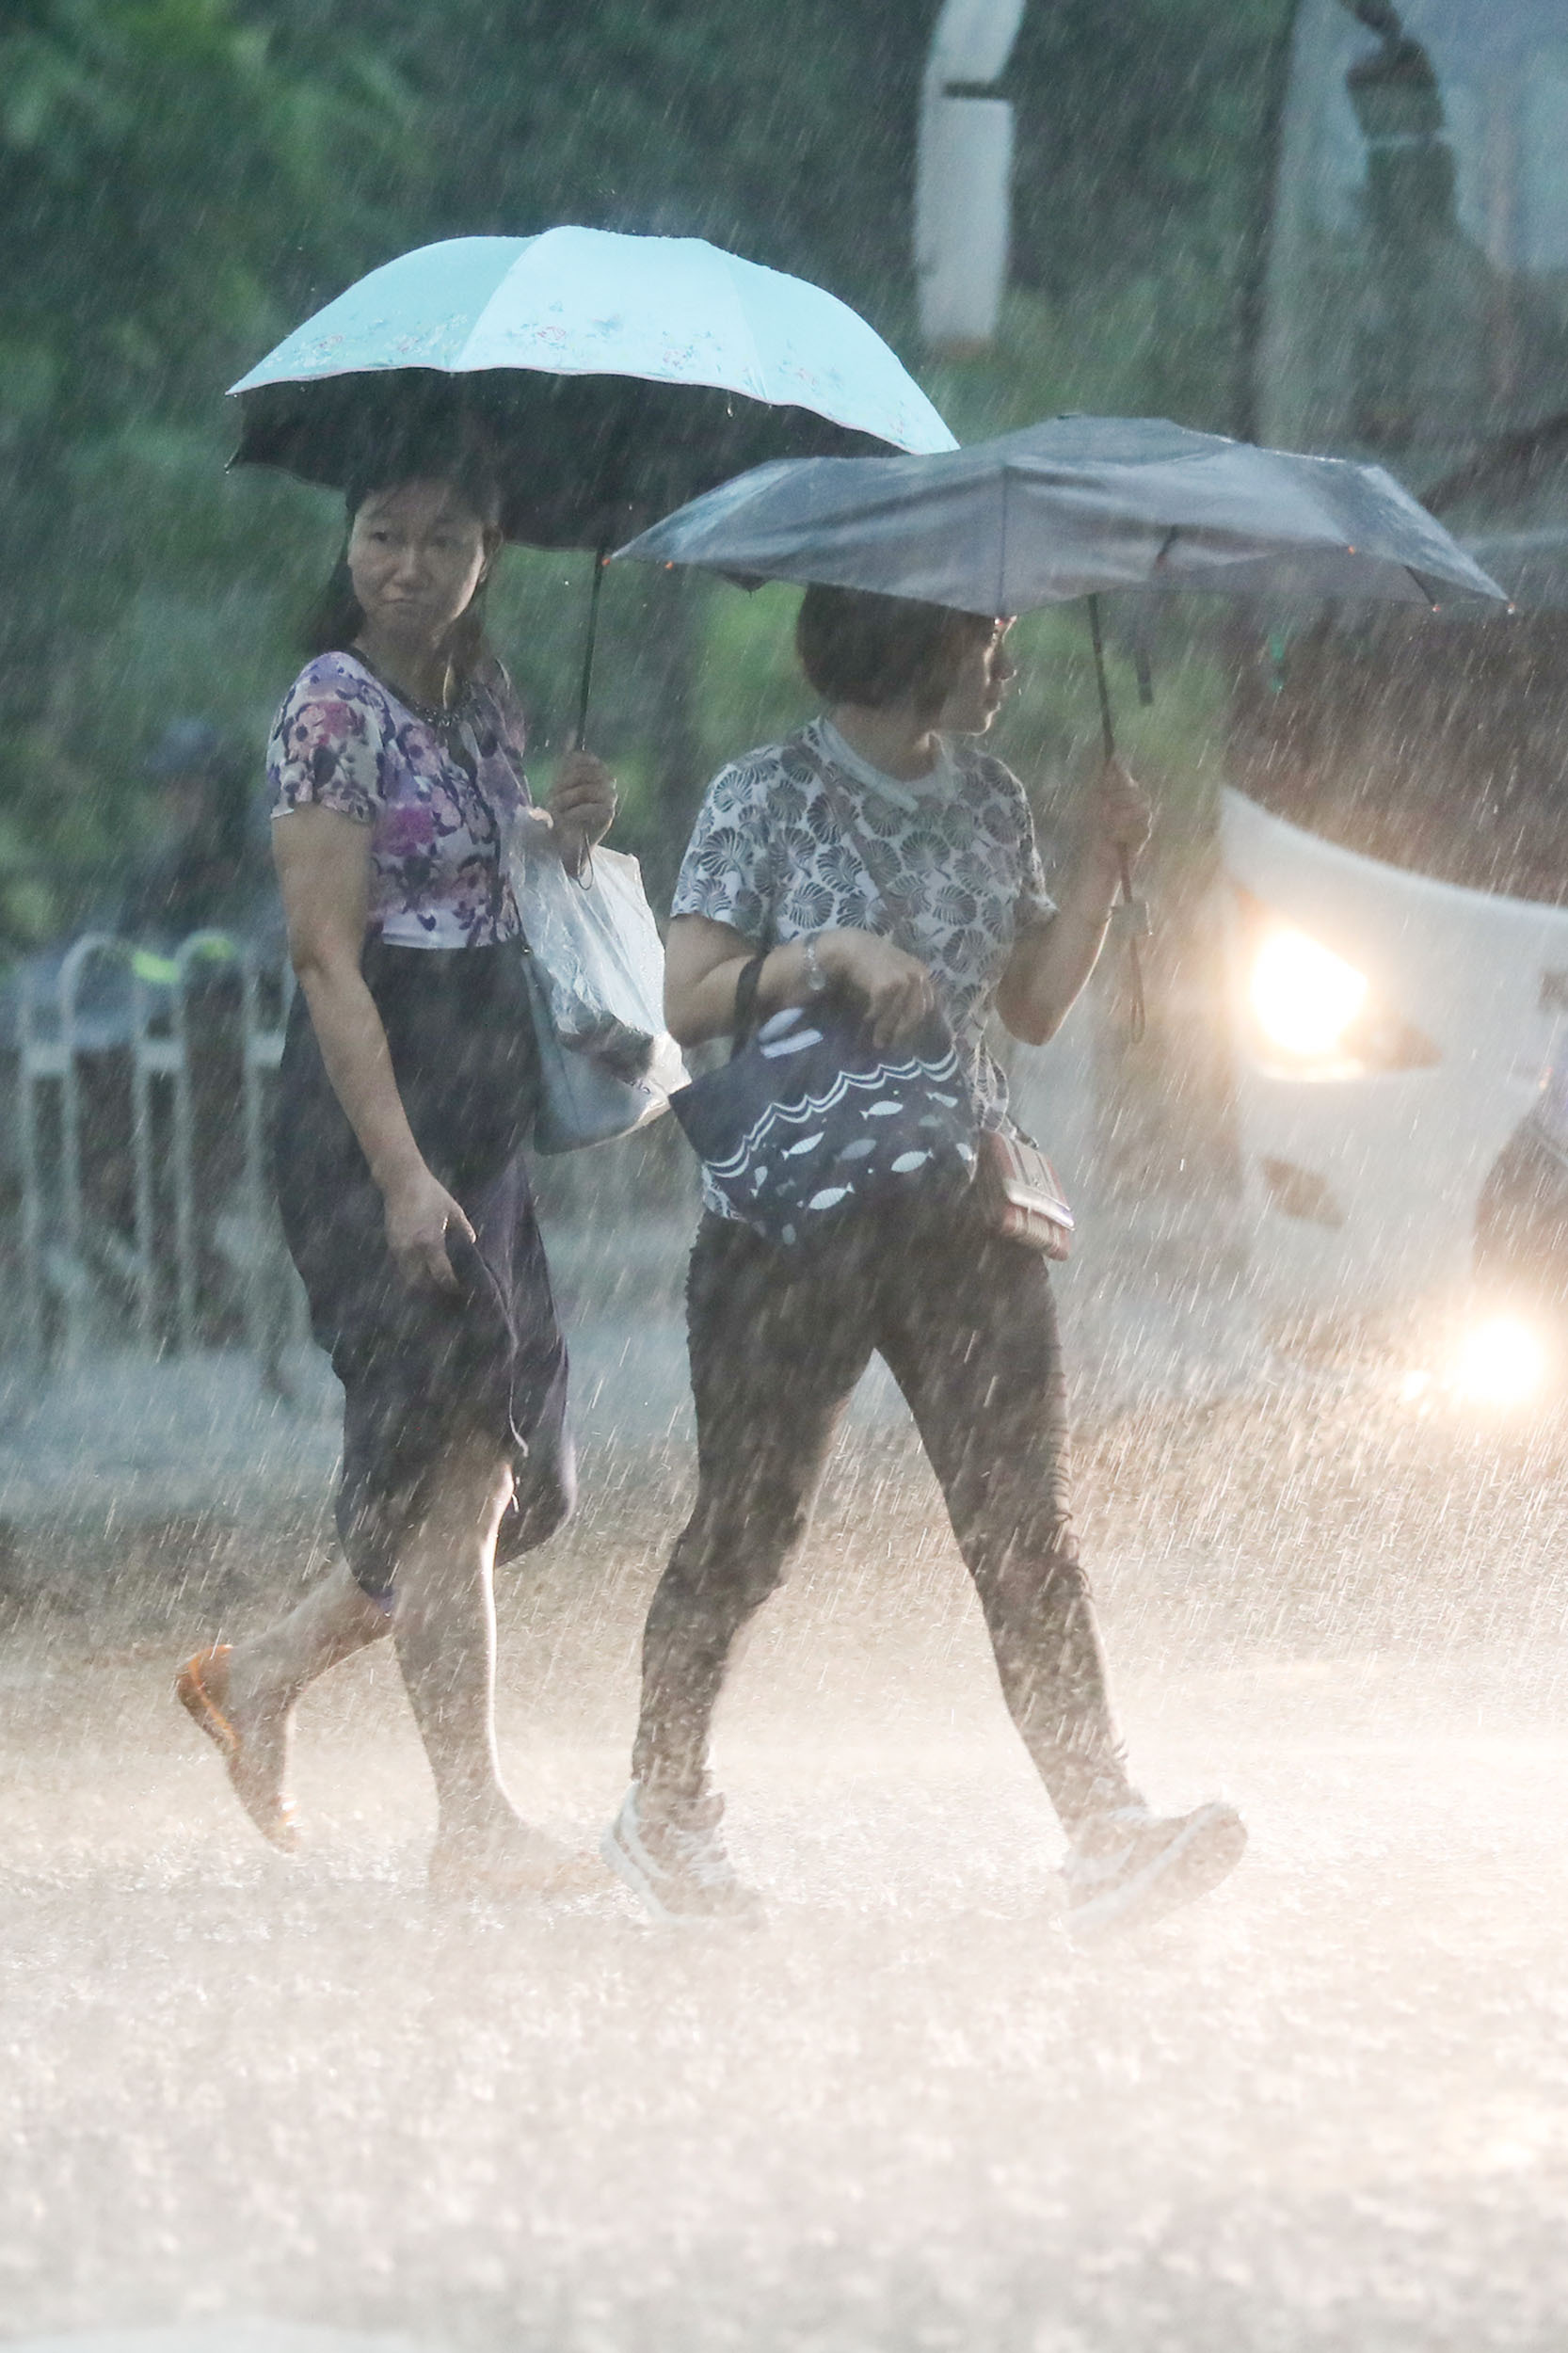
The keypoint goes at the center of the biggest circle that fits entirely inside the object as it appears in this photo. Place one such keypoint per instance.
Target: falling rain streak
(1315, 1322)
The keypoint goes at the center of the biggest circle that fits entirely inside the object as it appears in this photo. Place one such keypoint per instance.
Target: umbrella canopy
(615, 376)
(1066, 509)
(1070, 507)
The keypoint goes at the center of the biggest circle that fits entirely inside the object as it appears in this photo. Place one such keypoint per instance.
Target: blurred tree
(669, 117)
(182, 179)
(1141, 152)
(157, 170)
(789, 137)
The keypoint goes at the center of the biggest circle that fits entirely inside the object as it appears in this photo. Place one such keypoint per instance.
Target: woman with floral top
(407, 1093)
(777, 899)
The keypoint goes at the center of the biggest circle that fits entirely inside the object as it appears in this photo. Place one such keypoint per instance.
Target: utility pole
(964, 175)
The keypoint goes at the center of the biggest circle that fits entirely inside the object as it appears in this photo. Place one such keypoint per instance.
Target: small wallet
(1020, 1197)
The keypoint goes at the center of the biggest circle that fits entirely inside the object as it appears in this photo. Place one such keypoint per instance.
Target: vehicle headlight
(1501, 1361)
(1304, 997)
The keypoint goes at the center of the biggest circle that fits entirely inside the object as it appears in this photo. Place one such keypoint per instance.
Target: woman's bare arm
(1049, 967)
(323, 860)
(704, 960)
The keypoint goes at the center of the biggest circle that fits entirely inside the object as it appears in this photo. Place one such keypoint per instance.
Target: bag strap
(873, 853)
(742, 1020)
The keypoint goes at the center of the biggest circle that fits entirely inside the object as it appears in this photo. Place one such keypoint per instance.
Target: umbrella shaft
(587, 687)
(1108, 732)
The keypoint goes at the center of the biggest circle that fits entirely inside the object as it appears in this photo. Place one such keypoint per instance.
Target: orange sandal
(201, 1688)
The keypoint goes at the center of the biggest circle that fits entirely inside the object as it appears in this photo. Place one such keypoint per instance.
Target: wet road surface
(1327, 2109)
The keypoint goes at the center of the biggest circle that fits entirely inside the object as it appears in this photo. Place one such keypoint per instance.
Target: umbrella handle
(1137, 1020)
(601, 558)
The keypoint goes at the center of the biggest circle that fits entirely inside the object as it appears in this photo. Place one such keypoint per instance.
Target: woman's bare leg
(245, 1695)
(443, 1624)
(441, 1617)
(335, 1619)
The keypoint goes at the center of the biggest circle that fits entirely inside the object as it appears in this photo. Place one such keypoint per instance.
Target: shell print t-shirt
(440, 817)
(767, 857)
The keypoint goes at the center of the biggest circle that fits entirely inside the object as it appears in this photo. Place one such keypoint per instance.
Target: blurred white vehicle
(1398, 963)
(1390, 1035)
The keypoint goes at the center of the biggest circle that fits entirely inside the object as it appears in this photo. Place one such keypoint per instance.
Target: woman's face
(976, 694)
(416, 554)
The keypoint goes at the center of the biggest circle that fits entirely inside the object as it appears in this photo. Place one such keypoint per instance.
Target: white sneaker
(670, 1853)
(1139, 1865)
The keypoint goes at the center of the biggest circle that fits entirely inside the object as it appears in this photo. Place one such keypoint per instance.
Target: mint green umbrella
(613, 377)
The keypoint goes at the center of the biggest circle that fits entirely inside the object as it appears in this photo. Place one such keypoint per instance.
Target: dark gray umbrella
(1068, 508)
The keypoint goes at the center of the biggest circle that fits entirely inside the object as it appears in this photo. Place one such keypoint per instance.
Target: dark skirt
(421, 1371)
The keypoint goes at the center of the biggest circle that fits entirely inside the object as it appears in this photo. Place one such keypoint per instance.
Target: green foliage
(155, 166)
(1141, 156)
(183, 178)
(752, 688)
(786, 135)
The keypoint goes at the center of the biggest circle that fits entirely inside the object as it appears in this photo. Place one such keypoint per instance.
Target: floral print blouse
(440, 814)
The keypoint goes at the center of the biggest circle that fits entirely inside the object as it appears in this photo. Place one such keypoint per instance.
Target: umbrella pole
(601, 558)
(1107, 731)
(1108, 741)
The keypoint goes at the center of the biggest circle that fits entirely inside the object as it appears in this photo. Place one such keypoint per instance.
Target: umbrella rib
(763, 380)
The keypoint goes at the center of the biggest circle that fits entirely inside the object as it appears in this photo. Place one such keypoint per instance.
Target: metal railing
(191, 1244)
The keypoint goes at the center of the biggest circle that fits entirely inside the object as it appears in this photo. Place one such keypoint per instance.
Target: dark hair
(856, 647)
(336, 618)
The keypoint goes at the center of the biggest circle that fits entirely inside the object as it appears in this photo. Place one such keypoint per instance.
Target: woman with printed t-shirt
(777, 902)
(405, 1096)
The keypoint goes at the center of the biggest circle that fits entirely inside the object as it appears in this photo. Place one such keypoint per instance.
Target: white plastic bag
(599, 961)
(607, 1065)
